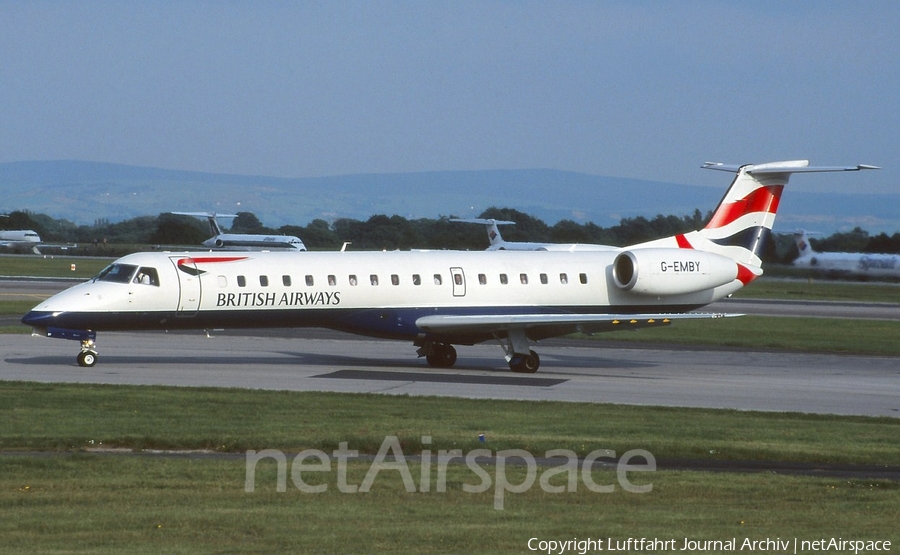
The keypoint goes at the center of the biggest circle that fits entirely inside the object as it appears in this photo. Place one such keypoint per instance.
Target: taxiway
(581, 371)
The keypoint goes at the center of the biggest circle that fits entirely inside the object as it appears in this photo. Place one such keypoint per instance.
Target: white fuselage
(852, 263)
(245, 242)
(376, 293)
(19, 236)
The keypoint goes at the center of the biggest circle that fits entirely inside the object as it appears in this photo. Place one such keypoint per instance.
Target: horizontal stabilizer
(791, 166)
(483, 221)
(205, 214)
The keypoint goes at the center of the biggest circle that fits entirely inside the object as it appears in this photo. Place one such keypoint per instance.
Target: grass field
(865, 337)
(77, 501)
(820, 290)
(99, 504)
(73, 417)
(52, 266)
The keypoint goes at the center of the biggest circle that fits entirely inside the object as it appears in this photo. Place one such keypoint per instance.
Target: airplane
(437, 299)
(847, 263)
(243, 241)
(499, 244)
(19, 239)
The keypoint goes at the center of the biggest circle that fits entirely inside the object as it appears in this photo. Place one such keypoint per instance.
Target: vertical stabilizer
(744, 218)
(493, 232)
(803, 246)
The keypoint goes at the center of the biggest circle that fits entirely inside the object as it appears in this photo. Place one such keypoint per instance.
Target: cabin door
(188, 286)
(459, 282)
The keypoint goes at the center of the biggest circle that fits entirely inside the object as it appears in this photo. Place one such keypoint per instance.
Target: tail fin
(803, 246)
(211, 217)
(744, 218)
(493, 231)
(214, 227)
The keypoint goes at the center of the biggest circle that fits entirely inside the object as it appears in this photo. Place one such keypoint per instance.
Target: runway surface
(586, 371)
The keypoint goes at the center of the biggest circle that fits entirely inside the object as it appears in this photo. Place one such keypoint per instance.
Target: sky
(648, 90)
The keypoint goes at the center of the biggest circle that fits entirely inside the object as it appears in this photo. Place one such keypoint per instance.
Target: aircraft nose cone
(38, 318)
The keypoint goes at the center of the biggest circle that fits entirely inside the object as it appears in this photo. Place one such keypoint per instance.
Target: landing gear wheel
(87, 358)
(442, 355)
(525, 364)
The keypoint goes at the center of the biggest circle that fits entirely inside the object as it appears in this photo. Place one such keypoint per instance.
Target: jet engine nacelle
(671, 271)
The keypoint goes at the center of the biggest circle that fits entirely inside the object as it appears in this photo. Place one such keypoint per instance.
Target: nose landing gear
(88, 355)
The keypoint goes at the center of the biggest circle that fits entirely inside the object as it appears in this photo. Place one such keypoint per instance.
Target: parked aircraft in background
(243, 241)
(845, 263)
(26, 240)
(437, 299)
(20, 239)
(498, 244)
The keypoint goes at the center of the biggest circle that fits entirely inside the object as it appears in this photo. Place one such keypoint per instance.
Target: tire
(87, 359)
(525, 364)
(444, 356)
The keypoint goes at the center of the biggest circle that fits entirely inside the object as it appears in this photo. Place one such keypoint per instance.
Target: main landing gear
(438, 355)
(88, 355)
(519, 355)
(525, 364)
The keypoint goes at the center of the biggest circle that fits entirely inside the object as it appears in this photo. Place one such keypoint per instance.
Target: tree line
(382, 232)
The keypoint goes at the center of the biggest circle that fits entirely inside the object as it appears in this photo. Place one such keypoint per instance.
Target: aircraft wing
(550, 325)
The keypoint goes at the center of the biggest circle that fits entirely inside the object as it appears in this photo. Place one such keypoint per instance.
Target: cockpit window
(146, 276)
(117, 273)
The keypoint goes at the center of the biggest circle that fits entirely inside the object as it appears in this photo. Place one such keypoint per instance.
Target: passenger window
(544, 279)
(147, 276)
(583, 278)
(332, 280)
(395, 279)
(309, 281)
(242, 281)
(223, 281)
(286, 280)
(353, 280)
(482, 279)
(264, 281)
(417, 279)
(373, 279)
(457, 279)
(563, 278)
(503, 279)
(437, 279)
(523, 278)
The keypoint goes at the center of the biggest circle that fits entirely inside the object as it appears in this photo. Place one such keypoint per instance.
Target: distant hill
(84, 192)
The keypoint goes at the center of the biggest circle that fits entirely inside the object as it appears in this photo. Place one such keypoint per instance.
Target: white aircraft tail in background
(497, 243)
